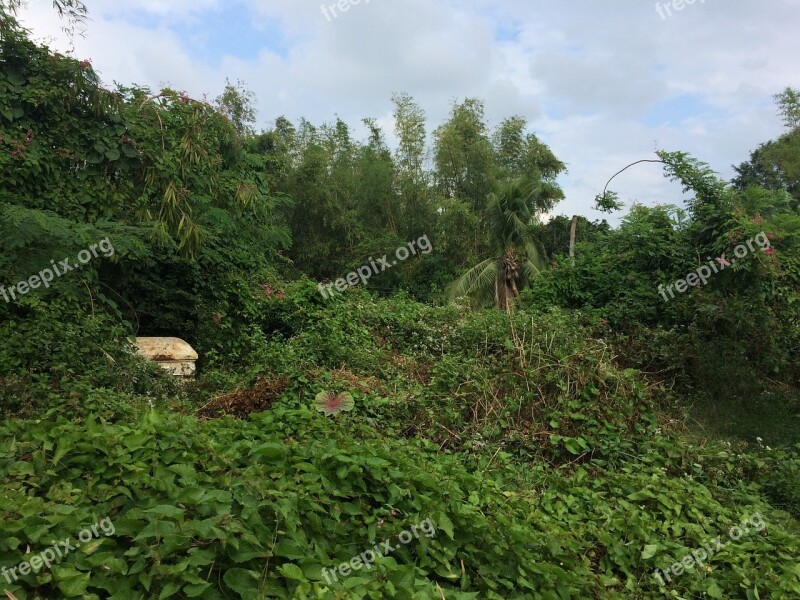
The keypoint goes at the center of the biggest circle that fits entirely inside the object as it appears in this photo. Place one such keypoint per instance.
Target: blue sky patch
(675, 110)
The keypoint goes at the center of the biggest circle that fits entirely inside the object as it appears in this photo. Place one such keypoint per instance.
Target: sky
(602, 83)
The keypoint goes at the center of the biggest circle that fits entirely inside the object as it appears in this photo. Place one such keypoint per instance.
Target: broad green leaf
(243, 582)
(292, 571)
(166, 510)
(650, 550)
(74, 586)
(170, 589)
(444, 523)
(196, 589)
(157, 529)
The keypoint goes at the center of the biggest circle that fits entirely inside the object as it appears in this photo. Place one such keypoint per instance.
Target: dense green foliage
(163, 177)
(546, 442)
(775, 165)
(718, 337)
(542, 466)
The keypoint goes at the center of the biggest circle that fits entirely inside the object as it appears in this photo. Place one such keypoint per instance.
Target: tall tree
(463, 155)
(412, 177)
(376, 200)
(237, 104)
(775, 165)
(315, 221)
(521, 154)
(511, 213)
(555, 234)
(277, 146)
(789, 107)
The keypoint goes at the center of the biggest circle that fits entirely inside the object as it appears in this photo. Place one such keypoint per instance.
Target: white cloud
(584, 74)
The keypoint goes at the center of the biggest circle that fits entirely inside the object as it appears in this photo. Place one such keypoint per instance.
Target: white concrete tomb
(172, 354)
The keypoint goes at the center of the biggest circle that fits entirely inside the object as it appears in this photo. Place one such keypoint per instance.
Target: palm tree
(509, 221)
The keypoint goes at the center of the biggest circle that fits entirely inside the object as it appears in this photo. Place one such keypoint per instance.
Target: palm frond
(477, 283)
(530, 269)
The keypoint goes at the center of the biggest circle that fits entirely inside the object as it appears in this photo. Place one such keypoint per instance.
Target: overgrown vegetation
(547, 429)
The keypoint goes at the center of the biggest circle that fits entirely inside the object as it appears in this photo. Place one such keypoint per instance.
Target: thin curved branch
(620, 172)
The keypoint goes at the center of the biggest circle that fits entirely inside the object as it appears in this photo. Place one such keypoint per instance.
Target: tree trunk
(506, 286)
(572, 231)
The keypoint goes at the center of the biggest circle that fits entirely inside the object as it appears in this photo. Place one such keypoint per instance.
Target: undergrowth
(547, 471)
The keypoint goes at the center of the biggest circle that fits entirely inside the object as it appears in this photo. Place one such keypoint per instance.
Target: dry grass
(243, 402)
